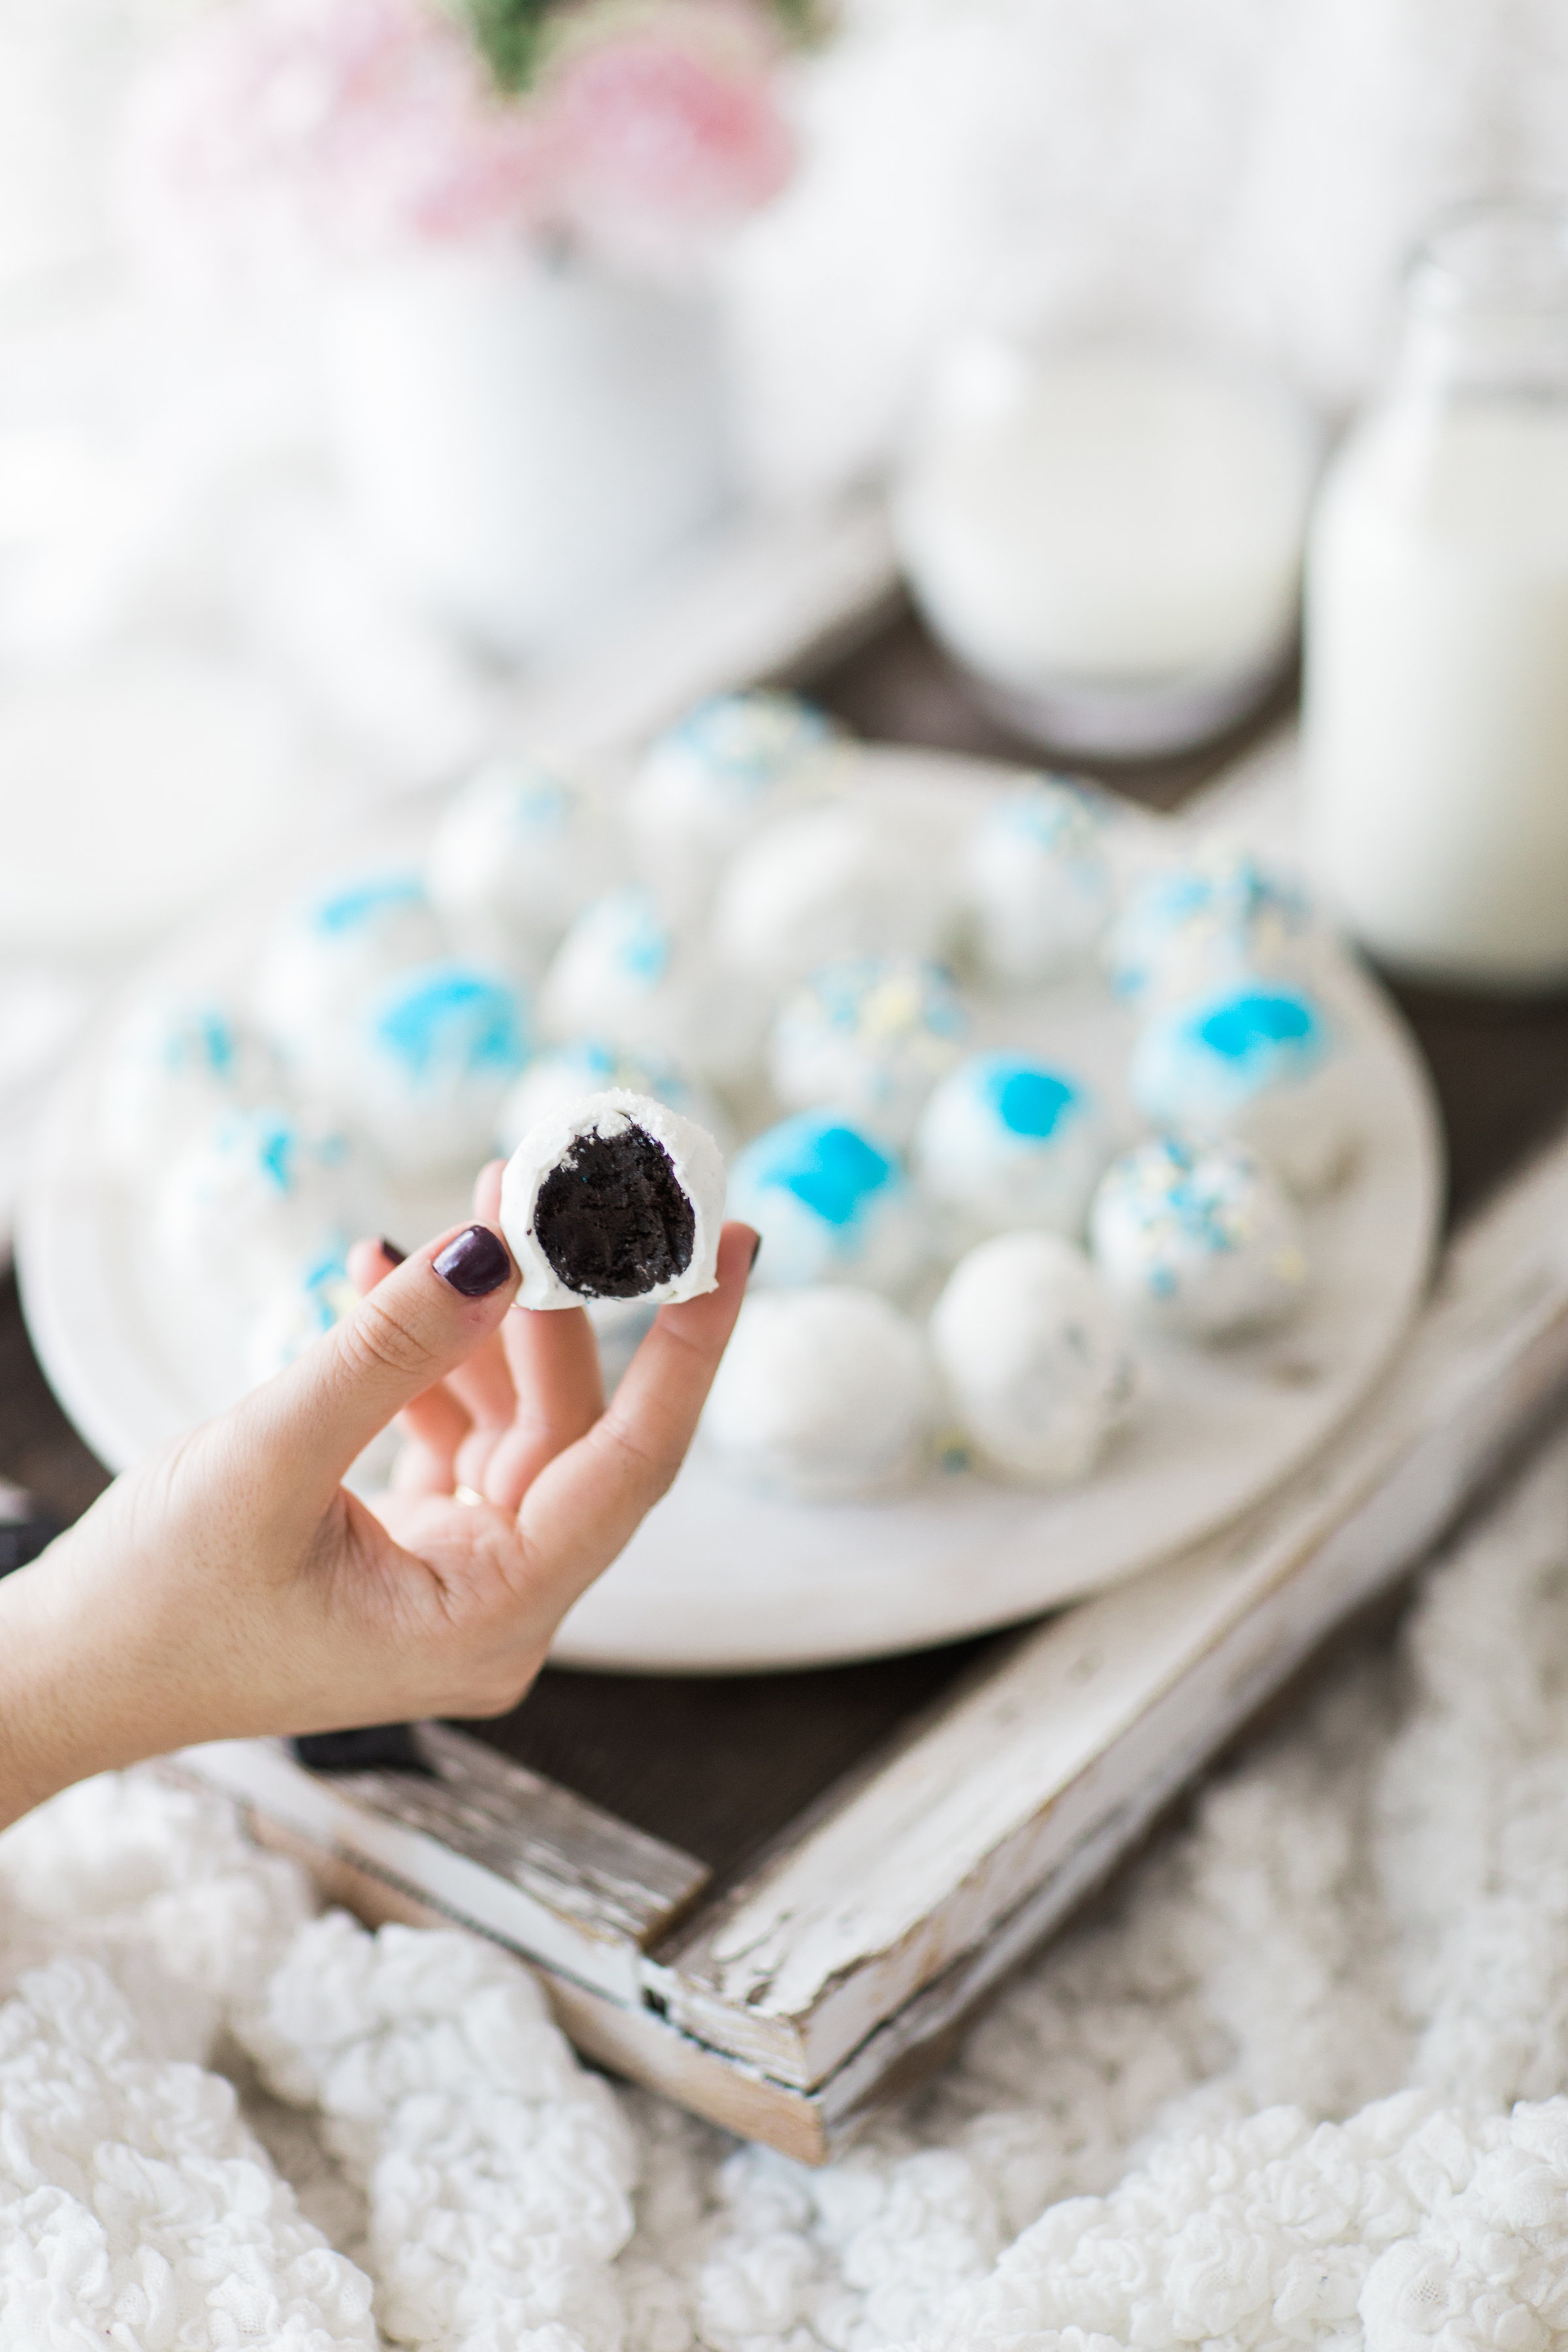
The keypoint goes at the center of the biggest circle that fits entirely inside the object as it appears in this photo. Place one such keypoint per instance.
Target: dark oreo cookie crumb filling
(612, 1218)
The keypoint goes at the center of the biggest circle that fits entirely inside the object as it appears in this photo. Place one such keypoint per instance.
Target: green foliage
(510, 34)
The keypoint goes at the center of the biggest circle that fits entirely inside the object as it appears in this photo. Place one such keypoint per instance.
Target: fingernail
(756, 1252)
(390, 1251)
(474, 1264)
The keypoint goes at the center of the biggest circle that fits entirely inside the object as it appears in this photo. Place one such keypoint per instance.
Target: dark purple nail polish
(391, 1252)
(475, 1263)
(756, 1252)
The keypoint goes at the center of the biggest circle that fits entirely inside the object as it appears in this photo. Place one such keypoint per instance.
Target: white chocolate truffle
(622, 975)
(1260, 1062)
(615, 1197)
(257, 1201)
(1038, 884)
(173, 1064)
(592, 1066)
(1007, 1142)
(730, 765)
(1033, 1358)
(848, 879)
(299, 1313)
(1200, 1242)
(333, 950)
(519, 851)
(1220, 914)
(428, 1062)
(870, 1035)
(822, 1396)
(832, 1204)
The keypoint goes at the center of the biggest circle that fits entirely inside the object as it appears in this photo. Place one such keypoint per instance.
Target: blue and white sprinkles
(1199, 1242)
(870, 1035)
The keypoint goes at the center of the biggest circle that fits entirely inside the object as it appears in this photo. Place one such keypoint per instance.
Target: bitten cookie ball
(870, 1035)
(1007, 1142)
(1260, 1062)
(823, 1395)
(1033, 1358)
(615, 1197)
(832, 1203)
(1038, 884)
(1199, 1242)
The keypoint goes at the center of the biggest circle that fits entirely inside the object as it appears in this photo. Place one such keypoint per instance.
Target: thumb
(418, 1325)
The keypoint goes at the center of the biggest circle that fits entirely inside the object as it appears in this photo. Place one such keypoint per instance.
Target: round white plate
(721, 1580)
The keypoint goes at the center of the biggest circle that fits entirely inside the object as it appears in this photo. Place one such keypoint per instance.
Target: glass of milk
(1107, 535)
(1437, 684)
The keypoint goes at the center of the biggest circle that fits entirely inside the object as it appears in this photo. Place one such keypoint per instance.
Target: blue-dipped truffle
(303, 1311)
(260, 1198)
(622, 975)
(1255, 1060)
(1038, 884)
(430, 1060)
(870, 1037)
(1008, 1142)
(1193, 927)
(174, 1064)
(332, 950)
(832, 1203)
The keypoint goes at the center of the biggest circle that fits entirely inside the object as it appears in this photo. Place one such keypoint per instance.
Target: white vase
(523, 440)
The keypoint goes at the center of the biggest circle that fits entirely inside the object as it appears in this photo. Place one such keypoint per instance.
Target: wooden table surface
(717, 1765)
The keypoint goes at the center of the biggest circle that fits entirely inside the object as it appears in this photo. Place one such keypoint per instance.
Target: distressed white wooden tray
(720, 1579)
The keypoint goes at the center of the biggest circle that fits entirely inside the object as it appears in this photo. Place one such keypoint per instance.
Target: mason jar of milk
(1435, 728)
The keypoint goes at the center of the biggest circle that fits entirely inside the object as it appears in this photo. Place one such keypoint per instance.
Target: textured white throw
(1301, 2081)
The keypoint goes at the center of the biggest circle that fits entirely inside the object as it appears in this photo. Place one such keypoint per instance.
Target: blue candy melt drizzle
(1237, 1028)
(1028, 1101)
(454, 1017)
(832, 1170)
(275, 1154)
(361, 902)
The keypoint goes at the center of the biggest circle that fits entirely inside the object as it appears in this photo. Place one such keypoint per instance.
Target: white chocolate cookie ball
(173, 1065)
(1038, 884)
(623, 975)
(1007, 1142)
(1257, 1060)
(1220, 914)
(822, 1396)
(832, 1204)
(615, 1197)
(1032, 1359)
(708, 784)
(870, 1037)
(259, 1200)
(1199, 1242)
(331, 951)
(299, 1313)
(592, 1066)
(843, 880)
(428, 1062)
(519, 851)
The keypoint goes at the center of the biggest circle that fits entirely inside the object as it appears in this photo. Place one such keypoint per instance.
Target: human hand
(231, 1586)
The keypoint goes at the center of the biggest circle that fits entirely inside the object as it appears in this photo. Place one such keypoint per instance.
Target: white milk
(1438, 690)
(1119, 520)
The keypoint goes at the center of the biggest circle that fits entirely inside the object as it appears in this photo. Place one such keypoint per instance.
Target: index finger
(584, 1508)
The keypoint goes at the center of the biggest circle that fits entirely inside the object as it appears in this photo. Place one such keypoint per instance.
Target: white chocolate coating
(175, 1062)
(1038, 884)
(870, 1037)
(823, 1395)
(728, 767)
(623, 975)
(832, 1204)
(521, 850)
(1257, 1060)
(845, 880)
(693, 1155)
(1190, 927)
(1008, 1141)
(1201, 1242)
(258, 1201)
(1033, 1358)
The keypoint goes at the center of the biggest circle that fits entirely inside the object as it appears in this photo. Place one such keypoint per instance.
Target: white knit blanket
(1300, 2082)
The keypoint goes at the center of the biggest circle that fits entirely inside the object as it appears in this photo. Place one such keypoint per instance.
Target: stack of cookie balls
(743, 979)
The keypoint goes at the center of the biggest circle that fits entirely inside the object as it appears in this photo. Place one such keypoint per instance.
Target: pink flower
(662, 125)
(281, 127)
